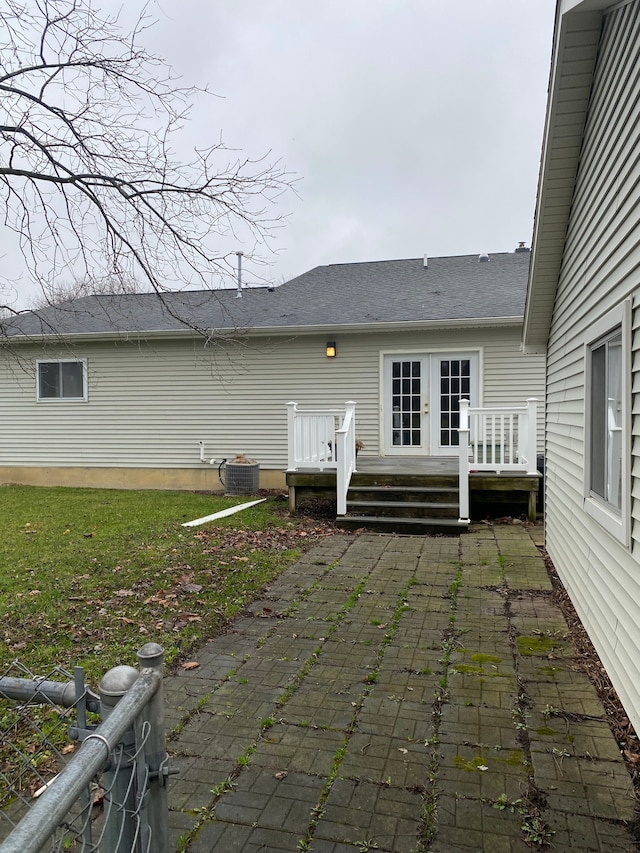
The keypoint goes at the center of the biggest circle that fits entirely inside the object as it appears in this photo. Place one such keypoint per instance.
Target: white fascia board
(566, 13)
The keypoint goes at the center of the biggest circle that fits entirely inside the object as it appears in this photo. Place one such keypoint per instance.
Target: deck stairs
(403, 503)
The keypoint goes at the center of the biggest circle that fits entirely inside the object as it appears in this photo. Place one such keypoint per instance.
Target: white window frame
(615, 521)
(85, 393)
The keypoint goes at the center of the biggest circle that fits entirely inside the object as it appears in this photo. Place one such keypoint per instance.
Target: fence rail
(110, 795)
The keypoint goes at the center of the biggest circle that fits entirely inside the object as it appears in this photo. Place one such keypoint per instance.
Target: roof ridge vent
(483, 257)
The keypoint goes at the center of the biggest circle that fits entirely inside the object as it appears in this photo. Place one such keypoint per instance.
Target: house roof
(457, 290)
(573, 62)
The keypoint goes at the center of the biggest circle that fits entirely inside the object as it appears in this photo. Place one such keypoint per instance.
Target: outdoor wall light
(331, 349)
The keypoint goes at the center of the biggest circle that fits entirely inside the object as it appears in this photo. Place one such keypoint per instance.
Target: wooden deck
(402, 484)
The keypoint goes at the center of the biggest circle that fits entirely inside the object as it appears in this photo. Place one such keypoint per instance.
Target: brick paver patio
(397, 694)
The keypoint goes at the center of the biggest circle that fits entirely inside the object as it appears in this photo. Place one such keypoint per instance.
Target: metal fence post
(119, 791)
(156, 835)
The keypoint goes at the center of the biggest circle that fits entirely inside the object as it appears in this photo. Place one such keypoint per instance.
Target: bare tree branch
(88, 176)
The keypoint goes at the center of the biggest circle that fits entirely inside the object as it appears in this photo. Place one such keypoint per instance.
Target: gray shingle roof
(451, 288)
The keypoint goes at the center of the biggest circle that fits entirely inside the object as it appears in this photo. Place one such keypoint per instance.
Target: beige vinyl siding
(600, 269)
(150, 403)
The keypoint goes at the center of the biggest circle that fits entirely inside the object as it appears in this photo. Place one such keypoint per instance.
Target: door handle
(426, 408)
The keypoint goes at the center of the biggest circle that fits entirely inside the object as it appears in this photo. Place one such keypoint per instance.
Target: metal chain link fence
(80, 771)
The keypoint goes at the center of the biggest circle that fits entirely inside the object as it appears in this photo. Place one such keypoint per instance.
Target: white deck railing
(324, 439)
(501, 439)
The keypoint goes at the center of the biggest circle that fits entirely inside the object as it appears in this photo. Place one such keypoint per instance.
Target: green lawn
(89, 575)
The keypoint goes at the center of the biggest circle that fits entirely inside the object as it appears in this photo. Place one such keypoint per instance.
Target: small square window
(62, 380)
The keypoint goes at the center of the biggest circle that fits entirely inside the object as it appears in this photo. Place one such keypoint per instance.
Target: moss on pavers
(372, 695)
(494, 661)
(480, 773)
(483, 653)
(359, 811)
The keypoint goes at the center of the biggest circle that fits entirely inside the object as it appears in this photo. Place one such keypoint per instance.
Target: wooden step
(401, 490)
(413, 526)
(422, 509)
(404, 480)
(399, 494)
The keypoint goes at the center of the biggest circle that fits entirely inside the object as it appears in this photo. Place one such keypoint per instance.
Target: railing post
(532, 429)
(346, 446)
(463, 450)
(155, 836)
(292, 408)
(350, 418)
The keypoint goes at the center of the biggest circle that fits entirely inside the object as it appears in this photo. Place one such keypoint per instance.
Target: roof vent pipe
(239, 293)
(484, 257)
(426, 261)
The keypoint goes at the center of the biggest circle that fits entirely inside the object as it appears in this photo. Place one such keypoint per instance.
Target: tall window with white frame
(606, 419)
(607, 481)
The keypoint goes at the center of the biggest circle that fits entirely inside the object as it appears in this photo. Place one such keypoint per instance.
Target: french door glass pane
(455, 384)
(406, 402)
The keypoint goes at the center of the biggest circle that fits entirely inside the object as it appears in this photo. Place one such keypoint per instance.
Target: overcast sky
(412, 126)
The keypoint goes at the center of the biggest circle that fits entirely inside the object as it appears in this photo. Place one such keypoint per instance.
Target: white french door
(454, 377)
(406, 402)
(422, 393)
